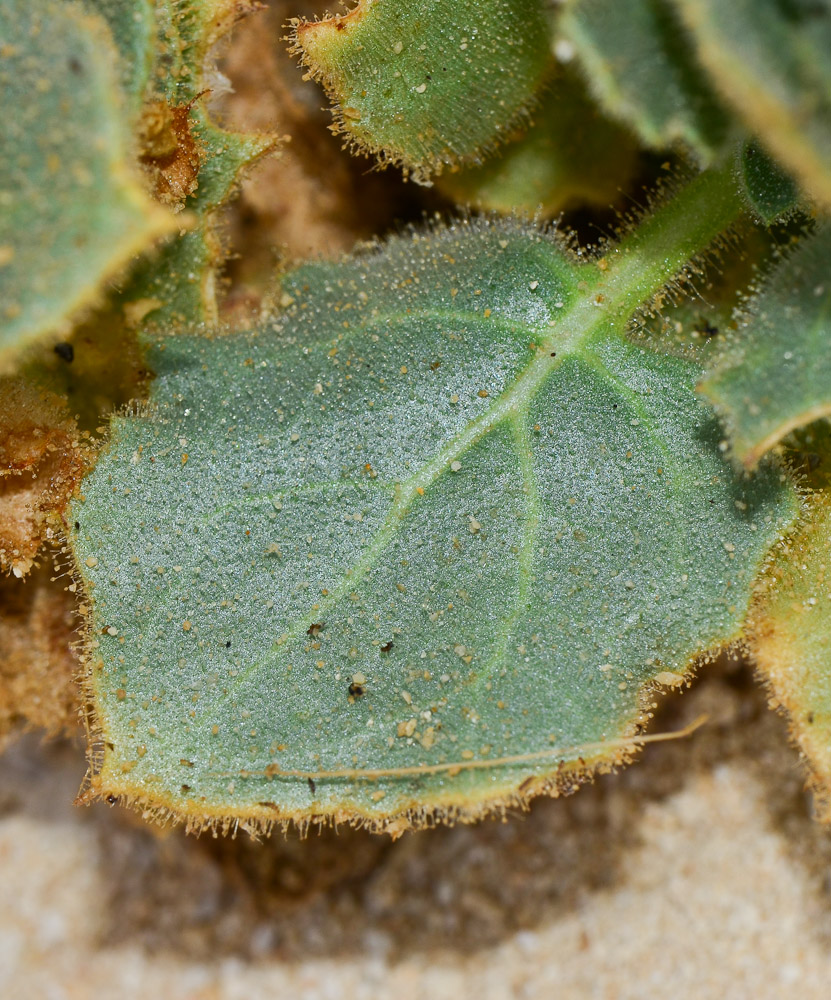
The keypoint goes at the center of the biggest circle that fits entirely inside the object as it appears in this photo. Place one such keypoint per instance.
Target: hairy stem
(661, 246)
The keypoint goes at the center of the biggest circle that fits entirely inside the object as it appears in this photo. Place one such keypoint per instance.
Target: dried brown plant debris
(37, 664)
(42, 460)
(170, 153)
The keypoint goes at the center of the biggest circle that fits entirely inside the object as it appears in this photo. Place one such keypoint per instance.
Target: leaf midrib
(589, 323)
(638, 268)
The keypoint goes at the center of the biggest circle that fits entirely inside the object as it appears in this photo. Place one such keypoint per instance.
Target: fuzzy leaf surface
(774, 374)
(771, 60)
(561, 159)
(438, 513)
(133, 27)
(71, 213)
(640, 67)
(790, 622)
(429, 82)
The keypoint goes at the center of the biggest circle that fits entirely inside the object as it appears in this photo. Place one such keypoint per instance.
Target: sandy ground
(696, 873)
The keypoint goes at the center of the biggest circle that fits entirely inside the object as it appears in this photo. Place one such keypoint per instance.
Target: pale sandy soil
(697, 873)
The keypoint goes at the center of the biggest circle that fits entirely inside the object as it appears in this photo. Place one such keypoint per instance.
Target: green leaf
(770, 192)
(775, 374)
(639, 65)
(436, 514)
(180, 283)
(71, 212)
(429, 83)
(133, 27)
(561, 160)
(771, 60)
(790, 623)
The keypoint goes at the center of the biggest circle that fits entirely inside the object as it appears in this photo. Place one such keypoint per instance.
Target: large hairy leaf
(71, 212)
(437, 518)
(429, 82)
(774, 374)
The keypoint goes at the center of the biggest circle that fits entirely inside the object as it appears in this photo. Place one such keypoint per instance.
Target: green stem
(668, 239)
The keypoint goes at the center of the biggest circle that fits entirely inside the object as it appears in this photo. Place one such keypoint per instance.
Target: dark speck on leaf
(75, 65)
(77, 525)
(312, 786)
(228, 644)
(65, 351)
(356, 690)
(315, 629)
(112, 800)
(386, 647)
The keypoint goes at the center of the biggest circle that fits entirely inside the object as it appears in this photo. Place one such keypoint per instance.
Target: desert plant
(425, 533)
